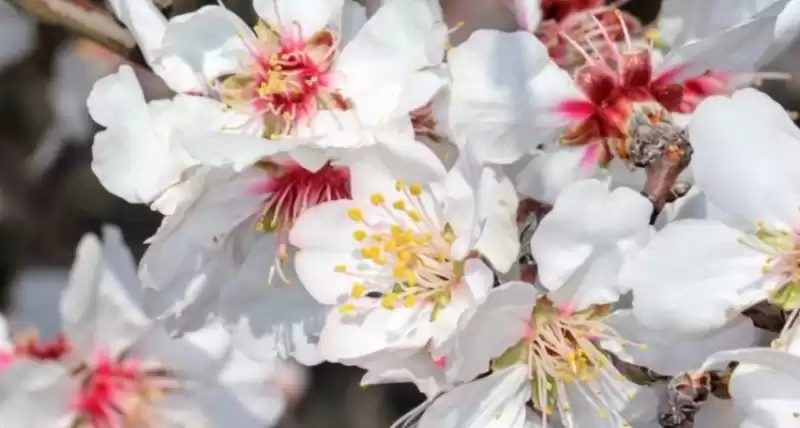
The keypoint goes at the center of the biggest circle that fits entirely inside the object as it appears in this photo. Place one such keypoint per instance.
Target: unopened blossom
(695, 275)
(121, 369)
(400, 261)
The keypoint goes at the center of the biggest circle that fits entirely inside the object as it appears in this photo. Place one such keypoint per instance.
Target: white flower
(554, 338)
(399, 260)
(303, 73)
(118, 367)
(540, 354)
(695, 275)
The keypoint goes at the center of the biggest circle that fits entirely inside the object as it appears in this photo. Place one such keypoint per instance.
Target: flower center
(29, 346)
(560, 350)
(288, 81)
(120, 392)
(406, 240)
(290, 190)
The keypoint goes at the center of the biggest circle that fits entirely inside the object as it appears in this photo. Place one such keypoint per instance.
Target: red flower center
(118, 393)
(288, 81)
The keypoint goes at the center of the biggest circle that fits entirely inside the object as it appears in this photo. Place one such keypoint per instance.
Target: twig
(84, 19)
(663, 172)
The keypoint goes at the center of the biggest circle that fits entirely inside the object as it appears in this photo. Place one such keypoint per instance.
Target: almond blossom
(401, 261)
(115, 367)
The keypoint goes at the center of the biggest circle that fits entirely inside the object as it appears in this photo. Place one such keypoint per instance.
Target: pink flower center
(118, 393)
(288, 81)
(290, 190)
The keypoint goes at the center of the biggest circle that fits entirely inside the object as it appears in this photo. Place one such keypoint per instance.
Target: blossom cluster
(570, 224)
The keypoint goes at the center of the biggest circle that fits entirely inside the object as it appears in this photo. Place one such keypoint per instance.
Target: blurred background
(49, 197)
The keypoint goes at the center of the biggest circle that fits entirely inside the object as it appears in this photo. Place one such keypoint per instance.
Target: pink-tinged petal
(36, 394)
(488, 330)
(576, 109)
(420, 369)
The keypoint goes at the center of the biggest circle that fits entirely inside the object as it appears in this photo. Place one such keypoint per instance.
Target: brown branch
(83, 19)
(663, 172)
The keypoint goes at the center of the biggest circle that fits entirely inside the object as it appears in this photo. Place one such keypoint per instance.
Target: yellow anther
(376, 199)
(410, 277)
(415, 189)
(388, 301)
(357, 291)
(389, 246)
(405, 256)
(446, 156)
(398, 271)
(414, 215)
(359, 235)
(409, 301)
(283, 257)
(602, 414)
(395, 230)
(399, 204)
(346, 308)
(379, 261)
(340, 268)
(643, 347)
(355, 214)
(377, 237)
(365, 253)
(398, 185)
(423, 239)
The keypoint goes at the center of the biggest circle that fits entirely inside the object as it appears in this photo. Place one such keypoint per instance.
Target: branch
(663, 172)
(84, 19)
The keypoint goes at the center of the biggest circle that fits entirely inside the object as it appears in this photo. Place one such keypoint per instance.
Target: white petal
(529, 14)
(348, 339)
(317, 271)
(418, 369)
(244, 396)
(327, 227)
(225, 137)
(310, 15)
(36, 394)
(497, 208)
(409, 160)
(98, 306)
(200, 46)
(739, 49)
(757, 178)
(477, 404)
(587, 220)
(132, 157)
(768, 398)
(681, 21)
(145, 22)
(691, 277)
(549, 173)
(504, 107)
(488, 330)
(379, 69)
(19, 33)
(669, 354)
(271, 319)
(201, 246)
